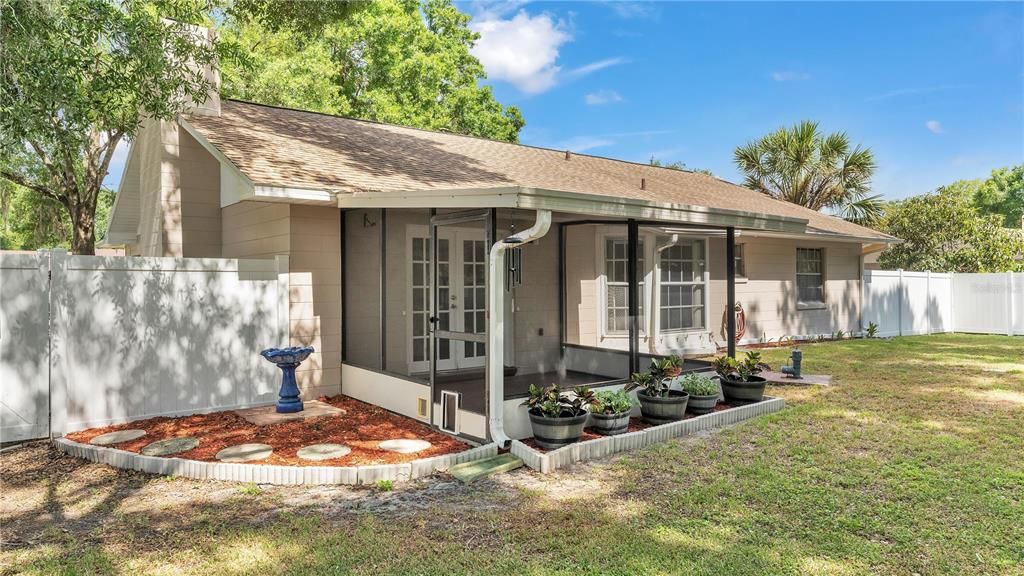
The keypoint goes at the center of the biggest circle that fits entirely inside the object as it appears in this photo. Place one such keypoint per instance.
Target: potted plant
(609, 414)
(739, 378)
(703, 391)
(659, 404)
(557, 418)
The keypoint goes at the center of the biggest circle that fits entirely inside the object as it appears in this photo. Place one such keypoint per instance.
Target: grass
(912, 463)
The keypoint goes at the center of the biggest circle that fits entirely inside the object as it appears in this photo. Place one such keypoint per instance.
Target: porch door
(461, 297)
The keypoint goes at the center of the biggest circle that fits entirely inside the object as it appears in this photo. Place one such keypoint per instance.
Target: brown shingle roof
(293, 148)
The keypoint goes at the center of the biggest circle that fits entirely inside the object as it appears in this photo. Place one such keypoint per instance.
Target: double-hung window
(616, 258)
(681, 285)
(810, 277)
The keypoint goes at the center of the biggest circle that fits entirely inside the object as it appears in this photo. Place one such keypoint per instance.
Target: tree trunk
(83, 226)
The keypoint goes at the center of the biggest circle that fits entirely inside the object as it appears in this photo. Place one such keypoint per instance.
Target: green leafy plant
(699, 385)
(872, 331)
(649, 384)
(733, 369)
(612, 402)
(554, 403)
(668, 367)
(385, 485)
(840, 335)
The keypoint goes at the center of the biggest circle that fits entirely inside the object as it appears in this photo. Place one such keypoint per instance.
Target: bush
(699, 385)
(612, 402)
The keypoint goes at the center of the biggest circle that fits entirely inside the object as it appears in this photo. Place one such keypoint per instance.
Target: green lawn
(912, 463)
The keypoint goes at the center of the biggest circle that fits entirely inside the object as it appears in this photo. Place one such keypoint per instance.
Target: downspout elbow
(496, 327)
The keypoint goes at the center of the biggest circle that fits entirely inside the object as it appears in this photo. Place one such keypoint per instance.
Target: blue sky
(936, 90)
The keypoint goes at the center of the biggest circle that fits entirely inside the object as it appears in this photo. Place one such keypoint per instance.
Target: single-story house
(440, 275)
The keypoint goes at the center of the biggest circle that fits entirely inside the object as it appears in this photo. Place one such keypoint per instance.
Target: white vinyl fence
(92, 340)
(904, 303)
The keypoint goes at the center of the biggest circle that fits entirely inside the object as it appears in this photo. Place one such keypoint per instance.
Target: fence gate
(24, 346)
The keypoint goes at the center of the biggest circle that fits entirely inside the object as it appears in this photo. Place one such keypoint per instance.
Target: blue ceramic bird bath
(288, 359)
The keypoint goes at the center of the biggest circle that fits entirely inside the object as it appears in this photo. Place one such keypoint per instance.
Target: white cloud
(595, 66)
(523, 50)
(584, 143)
(934, 126)
(630, 10)
(918, 90)
(602, 97)
(790, 76)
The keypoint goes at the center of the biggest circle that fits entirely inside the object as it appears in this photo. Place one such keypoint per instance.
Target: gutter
(496, 323)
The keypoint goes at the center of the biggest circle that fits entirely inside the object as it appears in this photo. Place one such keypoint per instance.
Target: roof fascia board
(593, 204)
(828, 236)
(304, 195)
(248, 186)
(569, 202)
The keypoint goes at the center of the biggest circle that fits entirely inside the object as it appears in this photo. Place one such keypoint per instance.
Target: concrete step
(470, 471)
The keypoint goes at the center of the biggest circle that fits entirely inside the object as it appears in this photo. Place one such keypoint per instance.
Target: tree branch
(43, 190)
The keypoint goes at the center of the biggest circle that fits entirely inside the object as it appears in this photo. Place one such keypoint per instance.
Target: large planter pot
(702, 404)
(743, 392)
(657, 410)
(552, 433)
(609, 424)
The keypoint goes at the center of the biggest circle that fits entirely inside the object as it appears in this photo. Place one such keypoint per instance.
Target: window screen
(681, 290)
(617, 284)
(810, 283)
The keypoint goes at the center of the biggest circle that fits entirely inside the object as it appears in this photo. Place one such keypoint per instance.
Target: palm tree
(805, 167)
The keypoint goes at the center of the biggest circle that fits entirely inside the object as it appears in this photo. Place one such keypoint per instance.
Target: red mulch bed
(635, 424)
(363, 427)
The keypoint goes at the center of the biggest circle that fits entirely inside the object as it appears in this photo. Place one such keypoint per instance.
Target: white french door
(461, 296)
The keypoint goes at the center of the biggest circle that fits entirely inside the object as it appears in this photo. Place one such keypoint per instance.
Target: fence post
(58, 343)
(927, 300)
(899, 307)
(1011, 313)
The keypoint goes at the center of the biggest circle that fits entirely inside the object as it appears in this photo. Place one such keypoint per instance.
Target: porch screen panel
(361, 258)
(596, 299)
(407, 280)
(677, 290)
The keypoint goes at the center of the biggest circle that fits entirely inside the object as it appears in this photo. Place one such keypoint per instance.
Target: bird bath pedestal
(288, 359)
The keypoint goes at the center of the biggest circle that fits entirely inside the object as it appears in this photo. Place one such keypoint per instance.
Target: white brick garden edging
(602, 447)
(267, 474)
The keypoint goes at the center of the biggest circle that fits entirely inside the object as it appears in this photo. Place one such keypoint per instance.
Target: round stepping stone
(404, 445)
(117, 437)
(245, 452)
(170, 446)
(323, 452)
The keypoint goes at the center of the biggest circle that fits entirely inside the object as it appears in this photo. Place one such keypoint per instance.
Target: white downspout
(496, 326)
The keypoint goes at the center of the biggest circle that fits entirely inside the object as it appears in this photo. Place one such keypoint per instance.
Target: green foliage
(699, 384)
(249, 489)
(944, 232)
(554, 403)
(732, 369)
(1001, 194)
(657, 381)
(609, 402)
(398, 61)
(76, 78)
(385, 485)
(872, 330)
(29, 221)
(803, 166)
(679, 165)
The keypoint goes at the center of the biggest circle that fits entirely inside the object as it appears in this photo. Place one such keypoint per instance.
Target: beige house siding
(768, 294)
(179, 188)
(314, 314)
(536, 308)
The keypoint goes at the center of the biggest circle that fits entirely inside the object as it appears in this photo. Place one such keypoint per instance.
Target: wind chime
(513, 268)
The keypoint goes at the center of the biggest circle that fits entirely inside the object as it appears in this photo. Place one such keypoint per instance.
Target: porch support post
(730, 289)
(496, 323)
(633, 298)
